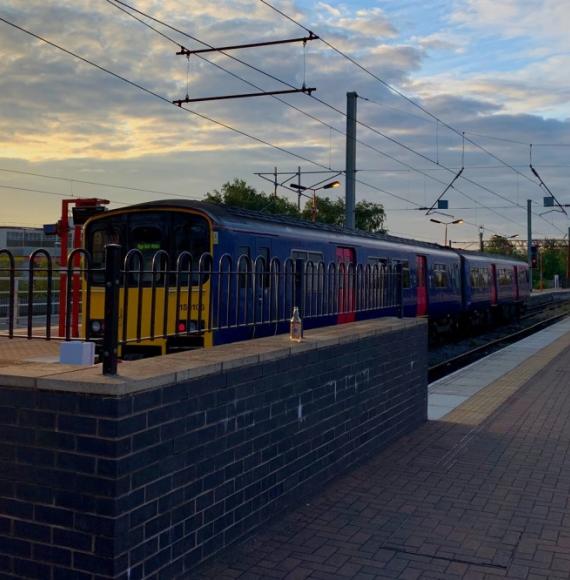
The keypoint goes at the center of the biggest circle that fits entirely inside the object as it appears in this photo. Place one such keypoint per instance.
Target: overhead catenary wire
(116, 3)
(318, 99)
(162, 98)
(97, 183)
(54, 193)
(415, 104)
(166, 100)
(388, 85)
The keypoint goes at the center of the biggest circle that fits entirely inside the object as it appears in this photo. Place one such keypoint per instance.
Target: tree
(499, 245)
(554, 256)
(369, 216)
(329, 211)
(238, 193)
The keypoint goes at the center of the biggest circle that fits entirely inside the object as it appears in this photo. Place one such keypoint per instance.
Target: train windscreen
(148, 232)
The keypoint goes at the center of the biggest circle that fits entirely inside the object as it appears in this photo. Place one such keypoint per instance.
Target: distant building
(23, 241)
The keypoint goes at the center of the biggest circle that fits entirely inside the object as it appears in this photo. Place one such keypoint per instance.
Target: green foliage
(553, 255)
(329, 211)
(499, 245)
(239, 194)
(369, 216)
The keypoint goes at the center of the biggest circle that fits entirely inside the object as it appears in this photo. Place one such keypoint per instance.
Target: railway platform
(480, 492)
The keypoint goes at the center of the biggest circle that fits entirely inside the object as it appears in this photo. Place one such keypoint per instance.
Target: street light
(302, 188)
(454, 222)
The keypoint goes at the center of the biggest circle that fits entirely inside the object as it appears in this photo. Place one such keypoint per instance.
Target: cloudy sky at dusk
(498, 71)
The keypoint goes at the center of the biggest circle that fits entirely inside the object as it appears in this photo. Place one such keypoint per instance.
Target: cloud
(370, 22)
(549, 19)
(61, 116)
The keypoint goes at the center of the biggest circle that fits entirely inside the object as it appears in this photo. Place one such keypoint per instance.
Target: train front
(165, 296)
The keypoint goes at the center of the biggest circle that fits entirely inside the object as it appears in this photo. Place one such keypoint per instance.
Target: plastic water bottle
(296, 328)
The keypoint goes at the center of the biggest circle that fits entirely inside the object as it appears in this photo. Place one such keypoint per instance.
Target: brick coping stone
(140, 375)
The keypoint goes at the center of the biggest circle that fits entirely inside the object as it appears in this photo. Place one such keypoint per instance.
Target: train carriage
(218, 274)
(494, 287)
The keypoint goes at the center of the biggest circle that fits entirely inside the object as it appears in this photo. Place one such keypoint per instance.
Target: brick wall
(150, 483)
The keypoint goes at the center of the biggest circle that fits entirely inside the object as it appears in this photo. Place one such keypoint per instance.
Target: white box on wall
(77, 352)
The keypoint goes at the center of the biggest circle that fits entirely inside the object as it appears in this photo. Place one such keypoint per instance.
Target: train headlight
(96, 326)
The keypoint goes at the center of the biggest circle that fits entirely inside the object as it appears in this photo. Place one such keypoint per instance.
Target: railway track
(446, 367)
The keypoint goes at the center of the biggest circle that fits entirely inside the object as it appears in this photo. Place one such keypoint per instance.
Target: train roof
(230, 216)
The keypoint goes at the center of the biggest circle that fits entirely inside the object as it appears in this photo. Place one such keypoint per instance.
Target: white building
(23, 241)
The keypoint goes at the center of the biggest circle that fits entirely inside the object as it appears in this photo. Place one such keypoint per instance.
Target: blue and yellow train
(219, 274)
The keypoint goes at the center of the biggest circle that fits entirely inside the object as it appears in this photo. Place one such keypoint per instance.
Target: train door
(421, 288)
(346, 278)
(263, 282)
(516, 282)
(493, 284)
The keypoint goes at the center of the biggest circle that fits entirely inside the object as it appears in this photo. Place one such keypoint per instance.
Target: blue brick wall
(150, 484)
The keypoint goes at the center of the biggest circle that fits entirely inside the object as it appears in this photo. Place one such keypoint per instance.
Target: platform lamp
(303, 188)
(454, 222)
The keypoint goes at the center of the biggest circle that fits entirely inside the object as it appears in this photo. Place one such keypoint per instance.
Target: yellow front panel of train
(145, 321)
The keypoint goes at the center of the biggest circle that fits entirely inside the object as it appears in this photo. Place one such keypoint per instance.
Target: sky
(430, 72)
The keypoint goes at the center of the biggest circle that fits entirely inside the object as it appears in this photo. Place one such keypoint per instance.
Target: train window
(99, 236)
(505, 277)
(191, 234)
(372, 260)
(405, 272)
(314, 257)
(99, 239)
(474, 277)
(479, 278)
(454, 276)
(263, 266)
(523, 276)
(244, 266)
(440, 276)
(148, 240)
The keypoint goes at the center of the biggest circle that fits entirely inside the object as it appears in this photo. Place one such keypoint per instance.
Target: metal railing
(151, 298)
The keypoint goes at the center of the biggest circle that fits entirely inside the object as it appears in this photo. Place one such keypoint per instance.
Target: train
(219, 274)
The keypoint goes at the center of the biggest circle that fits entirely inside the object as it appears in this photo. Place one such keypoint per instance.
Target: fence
(148, 297)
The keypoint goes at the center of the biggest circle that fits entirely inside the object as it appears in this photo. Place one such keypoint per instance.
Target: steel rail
(457, 362)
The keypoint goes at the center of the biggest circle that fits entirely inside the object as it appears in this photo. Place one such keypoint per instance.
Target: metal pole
(481, 245)
(63, 235)
(401, 290)
(541, 283)
(275, 182)
(299, 192)
(111, 322)
(529, 238)
(314, 209)
(568, 262)
(16, 308)
(350, 185)
(445, 242)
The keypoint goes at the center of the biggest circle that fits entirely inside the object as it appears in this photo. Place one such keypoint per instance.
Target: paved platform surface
(20, 351)
(482, 493)
(449, 392)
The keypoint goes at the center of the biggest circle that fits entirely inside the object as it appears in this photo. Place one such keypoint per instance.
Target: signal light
(181, 327)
